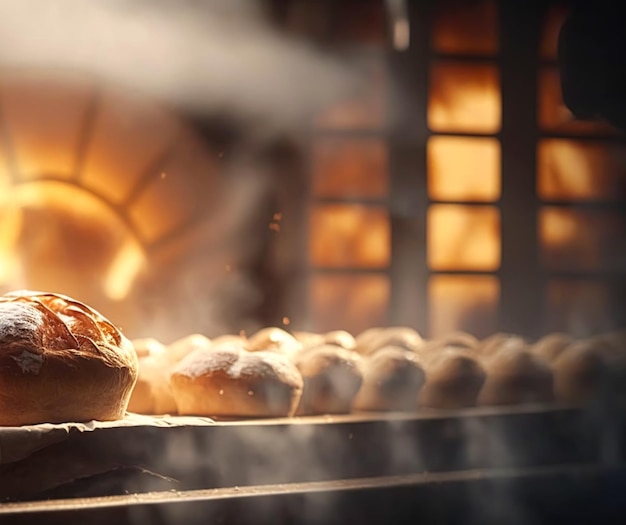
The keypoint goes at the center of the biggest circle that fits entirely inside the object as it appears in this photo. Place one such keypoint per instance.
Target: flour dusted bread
(61, 361)
(332, 377)
(392, 379)
(453, 380)
(230, 382)
(515, 376)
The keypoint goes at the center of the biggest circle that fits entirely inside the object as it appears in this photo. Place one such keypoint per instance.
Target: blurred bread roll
(374, 339)
(392, 379)
(340, 338)
(515, 376)
(309, 339)
(550, 346)
(61, 361)
(273, 339)
(230, 382)
(497, 342)
(459, 340)
(332, 377)
(588, 370)
(146, 346)
(185, 346)
(152, 394)
(227, 340)
(453, 380)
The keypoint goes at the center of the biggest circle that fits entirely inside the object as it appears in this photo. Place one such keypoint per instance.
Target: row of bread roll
(275, 373)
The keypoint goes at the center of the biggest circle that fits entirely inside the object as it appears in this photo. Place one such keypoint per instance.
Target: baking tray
(143, 454)
(523, 496)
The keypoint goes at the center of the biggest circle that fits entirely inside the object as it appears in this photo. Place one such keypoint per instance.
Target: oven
(220, 167)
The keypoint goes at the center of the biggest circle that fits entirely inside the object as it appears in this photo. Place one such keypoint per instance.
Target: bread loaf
(61, 361)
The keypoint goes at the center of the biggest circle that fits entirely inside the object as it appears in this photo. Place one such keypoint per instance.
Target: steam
(216, 56)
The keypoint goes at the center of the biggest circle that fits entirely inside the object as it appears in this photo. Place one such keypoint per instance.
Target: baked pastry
(375, 339)
(146, 346)
(585, 371)
(392, 379)
(309, 339)
(152, 393)
(228, 339)
(460, 340)
(516, 376)
(230, 382)
(61, 361)
(550, 346)
(497, 342)
(340, 338)
(332, 377)
(185, 346)
(273, 340)
(453, 380)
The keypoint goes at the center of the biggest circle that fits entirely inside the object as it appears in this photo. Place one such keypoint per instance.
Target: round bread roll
(332, 377)
(392, 379)
(146, 346)
(453, 380)
(551, 346)
(228, 340)
(152, 393)
(340, 338)
(516, 376)
(459, 340)
(186, 345)
(402, 337)
(497, 342)
(309, 339)
(61, 361)
(273, 340)
(585, 371)
(229, 382)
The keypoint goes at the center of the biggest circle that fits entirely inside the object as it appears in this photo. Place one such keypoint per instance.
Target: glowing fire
(47, 244)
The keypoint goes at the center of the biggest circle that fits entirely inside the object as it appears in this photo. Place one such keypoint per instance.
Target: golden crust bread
(230, 382)
(61, 361)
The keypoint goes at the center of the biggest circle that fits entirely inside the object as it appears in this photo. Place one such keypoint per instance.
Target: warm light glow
(191, 187)
(463, 237)
(463, 169)
(581, 240)
(464, 97)
(349, 236)
(123, 271)
(577, 170)
(470, 29)
(44, 121)
(49, 244)
(348, 302)
(468, 303)
(581, 308)
(129, 136)
(346, 168)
